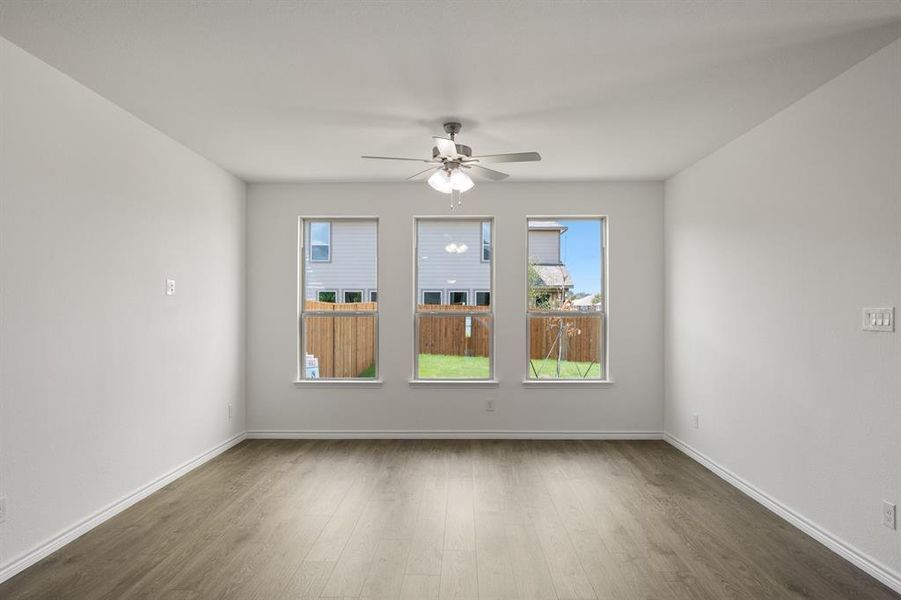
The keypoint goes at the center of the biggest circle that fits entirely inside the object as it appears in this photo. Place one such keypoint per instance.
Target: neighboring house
(340, 261)
(454, 262)
(551, 279)
(587, 303)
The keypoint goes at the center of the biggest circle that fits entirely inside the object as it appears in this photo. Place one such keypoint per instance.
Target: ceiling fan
(453, 166)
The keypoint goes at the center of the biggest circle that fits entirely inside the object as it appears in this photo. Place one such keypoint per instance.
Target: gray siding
(353, 260)
(544, 247)
(439, 269)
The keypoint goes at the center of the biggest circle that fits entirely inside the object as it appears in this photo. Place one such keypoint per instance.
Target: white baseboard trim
(447, 434)
(859, 559)
(50, 546)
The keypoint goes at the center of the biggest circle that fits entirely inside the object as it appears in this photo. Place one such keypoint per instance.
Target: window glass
(453, 337)
(339, 331)
(320, 241)
(457, 297)
(565, 299)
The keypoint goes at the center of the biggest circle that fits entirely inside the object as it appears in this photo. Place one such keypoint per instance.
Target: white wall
(105, 383)
(773, 245)
(633, 403)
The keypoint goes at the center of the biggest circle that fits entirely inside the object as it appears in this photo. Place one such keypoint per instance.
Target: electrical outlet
(2, 509)
(170, 287)
(489, 405)
(230, 412)
(888, 514)
(695, 421)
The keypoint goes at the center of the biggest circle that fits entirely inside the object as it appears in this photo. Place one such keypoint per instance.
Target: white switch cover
(2, 509)
(888, 514)
(170, 287)
(879, 319)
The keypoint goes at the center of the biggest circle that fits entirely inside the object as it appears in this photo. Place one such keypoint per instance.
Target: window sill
(454, 382)
(568, 382)
(338, 382)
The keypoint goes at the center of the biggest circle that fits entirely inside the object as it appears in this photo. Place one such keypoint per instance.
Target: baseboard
(843, 549)
(448, 434)
(50, 546)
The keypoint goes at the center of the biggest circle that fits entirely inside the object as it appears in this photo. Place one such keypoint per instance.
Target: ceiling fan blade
(446, 147)
(485, 173)
(398, 158)
(501, 158)
(429, 170)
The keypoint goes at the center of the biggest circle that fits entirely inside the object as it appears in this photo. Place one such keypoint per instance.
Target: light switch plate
(889, 514)
(879, 319)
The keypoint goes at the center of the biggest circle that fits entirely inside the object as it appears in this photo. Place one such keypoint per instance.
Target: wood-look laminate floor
(446, 519)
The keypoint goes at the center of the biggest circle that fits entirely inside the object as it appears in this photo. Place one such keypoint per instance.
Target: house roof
(553, 276)
(584, 301)
(546, 226)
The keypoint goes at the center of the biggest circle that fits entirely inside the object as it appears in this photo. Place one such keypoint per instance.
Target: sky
(581, 253)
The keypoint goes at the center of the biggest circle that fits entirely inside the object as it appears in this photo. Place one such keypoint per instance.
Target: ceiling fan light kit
(451, 161)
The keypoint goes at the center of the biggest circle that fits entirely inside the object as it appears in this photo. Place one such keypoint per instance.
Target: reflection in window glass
(339, 330)
(453, 285)
(565, 276)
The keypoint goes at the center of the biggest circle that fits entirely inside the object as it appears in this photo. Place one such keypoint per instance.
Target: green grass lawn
(440, 366)
(368, 372)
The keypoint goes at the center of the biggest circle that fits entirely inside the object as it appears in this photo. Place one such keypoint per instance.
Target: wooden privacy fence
(344, 346)
(581, 336)
(439, 334)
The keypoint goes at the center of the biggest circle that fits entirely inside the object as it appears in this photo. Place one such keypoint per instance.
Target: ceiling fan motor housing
(461, 149)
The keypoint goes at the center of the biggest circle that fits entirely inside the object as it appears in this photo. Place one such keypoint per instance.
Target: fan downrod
(452, 128)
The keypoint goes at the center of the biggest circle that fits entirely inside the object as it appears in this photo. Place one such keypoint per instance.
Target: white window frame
(475, 297)
(489, 381)
(450, 294)
(329, 245)
(335, 292)
(439, 292)
(345, 292)
(369, 294)
(604, 313)
(300, 342)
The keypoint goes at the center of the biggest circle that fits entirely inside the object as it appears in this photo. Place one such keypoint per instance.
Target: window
(458, 297)
(566, 314)
(320, 241)
(338, 341)
(351, 296)
(483, 298)
(373, 296)
(431, 297)
(454, 341)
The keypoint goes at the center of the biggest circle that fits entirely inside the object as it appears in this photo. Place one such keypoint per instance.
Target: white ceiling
(604, 90)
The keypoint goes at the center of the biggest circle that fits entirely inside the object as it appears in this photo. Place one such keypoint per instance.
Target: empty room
(450, 300)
